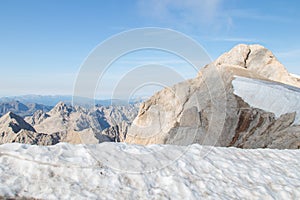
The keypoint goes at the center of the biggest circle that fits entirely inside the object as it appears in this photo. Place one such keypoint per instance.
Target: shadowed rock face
(205, 110)
(14, 123)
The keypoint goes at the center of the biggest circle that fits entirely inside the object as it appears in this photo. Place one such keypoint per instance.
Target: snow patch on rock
(270, 96)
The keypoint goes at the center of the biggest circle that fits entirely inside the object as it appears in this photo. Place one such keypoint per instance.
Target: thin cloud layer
(188, 12)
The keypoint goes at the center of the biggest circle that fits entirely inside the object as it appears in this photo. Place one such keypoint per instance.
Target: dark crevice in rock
(246, 58)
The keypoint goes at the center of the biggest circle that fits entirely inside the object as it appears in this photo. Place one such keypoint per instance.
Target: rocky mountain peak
(14, 122)
(237, 56)
(246, 56)
(258, 59)
(61, 108)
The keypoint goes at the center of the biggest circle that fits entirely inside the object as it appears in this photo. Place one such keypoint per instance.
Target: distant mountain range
(46, 120)
(22, 109)
(65, 123)
(52, 100)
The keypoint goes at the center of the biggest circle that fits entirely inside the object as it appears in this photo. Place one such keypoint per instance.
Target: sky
(44, 43)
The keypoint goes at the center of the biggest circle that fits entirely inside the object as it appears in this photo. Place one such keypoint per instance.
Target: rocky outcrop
(206, 110)
(259, 129)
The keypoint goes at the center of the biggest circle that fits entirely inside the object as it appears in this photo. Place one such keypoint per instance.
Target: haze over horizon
(44, 43)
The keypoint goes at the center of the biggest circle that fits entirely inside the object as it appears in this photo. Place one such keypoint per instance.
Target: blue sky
(43, 43)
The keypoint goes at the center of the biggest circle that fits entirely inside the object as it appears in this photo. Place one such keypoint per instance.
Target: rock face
(206, 109)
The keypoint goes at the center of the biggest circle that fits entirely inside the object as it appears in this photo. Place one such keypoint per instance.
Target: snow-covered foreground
(281, 98)
(116, 170)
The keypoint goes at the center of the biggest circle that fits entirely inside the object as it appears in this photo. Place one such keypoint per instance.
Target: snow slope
(117, 170)
(270, 96)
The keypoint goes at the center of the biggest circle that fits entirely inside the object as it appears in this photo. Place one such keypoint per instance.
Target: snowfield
(281, 98)
(117, 170)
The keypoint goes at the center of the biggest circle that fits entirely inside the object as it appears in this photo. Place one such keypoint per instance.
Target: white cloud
(208, 15)
(180, 11)
(236, 39)
(255, 15)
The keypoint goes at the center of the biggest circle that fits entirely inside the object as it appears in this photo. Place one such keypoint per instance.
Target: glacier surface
(117, 170)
